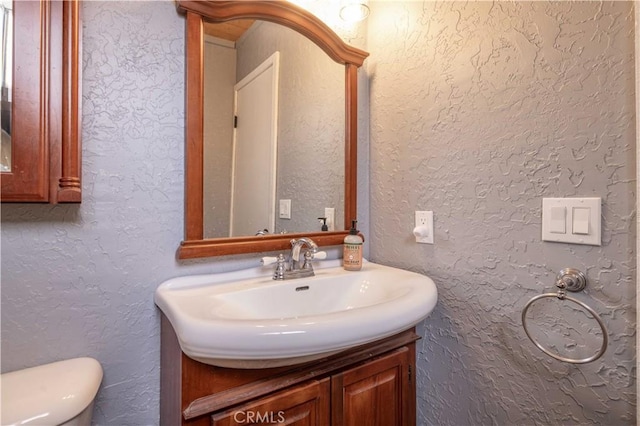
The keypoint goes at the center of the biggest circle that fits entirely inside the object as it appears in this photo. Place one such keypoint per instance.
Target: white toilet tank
(60, 393)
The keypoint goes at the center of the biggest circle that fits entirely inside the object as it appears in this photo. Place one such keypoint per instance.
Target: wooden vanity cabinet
(304, 405)
(372, 385)
(379, 392)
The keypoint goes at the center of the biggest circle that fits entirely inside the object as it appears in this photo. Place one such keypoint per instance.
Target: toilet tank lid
(52, 393)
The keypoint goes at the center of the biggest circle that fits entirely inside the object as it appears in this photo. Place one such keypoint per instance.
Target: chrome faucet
(294, 269)
(296, 247)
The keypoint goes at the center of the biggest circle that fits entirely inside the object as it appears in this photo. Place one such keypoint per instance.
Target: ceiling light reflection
(354, 11)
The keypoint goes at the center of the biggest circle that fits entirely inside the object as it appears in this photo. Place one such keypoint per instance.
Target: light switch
(572, 220)
(285, 209)
(558, 223)
(581, 220)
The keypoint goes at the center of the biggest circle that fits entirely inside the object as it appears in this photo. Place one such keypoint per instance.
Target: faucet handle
(278, 274)
(280, 262)
(320, 255)
(268, 260)
(309, 256)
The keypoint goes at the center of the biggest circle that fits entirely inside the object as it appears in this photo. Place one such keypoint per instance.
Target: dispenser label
(352, 256)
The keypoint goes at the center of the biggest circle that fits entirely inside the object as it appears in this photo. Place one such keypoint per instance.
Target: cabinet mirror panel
(6, 32)
(274, 121)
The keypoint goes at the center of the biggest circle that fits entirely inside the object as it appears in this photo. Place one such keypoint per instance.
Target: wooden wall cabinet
(372, 384)
(45, 127)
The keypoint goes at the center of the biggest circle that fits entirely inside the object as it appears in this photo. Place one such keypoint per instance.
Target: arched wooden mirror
(200, 241)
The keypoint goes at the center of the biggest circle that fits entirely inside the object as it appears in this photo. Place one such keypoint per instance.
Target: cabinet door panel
(305, 405)
(375, 394)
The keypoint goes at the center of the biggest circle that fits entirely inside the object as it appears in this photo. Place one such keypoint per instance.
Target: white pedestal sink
(245, 319)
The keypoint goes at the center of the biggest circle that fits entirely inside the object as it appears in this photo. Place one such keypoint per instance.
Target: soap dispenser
(323, 221)
(352, 249)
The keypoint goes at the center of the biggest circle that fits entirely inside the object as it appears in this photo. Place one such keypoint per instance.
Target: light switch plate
(580, 228)
(285, 209)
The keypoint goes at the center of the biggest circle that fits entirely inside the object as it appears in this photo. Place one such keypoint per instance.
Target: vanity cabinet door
(378, 393)
(304, 405)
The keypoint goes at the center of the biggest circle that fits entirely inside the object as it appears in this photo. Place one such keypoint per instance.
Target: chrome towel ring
(572, 280)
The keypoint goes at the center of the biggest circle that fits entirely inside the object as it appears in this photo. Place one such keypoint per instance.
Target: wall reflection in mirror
(6, 29)
(287, 142)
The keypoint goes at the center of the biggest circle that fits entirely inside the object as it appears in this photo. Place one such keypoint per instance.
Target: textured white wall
(478, 110)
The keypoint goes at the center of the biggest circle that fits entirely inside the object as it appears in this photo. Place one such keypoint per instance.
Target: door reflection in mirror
(310, 127)
(253, 175)
(6, 30)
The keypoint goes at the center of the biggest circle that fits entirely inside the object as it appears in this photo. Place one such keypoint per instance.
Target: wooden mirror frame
(305, 23)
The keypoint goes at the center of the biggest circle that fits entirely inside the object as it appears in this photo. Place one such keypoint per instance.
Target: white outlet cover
(424, 219)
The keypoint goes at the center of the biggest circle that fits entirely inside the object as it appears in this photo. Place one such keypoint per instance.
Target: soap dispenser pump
(352, 249)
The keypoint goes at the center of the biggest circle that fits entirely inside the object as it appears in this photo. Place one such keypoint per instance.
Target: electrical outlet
(330, 214)
(423, 230)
